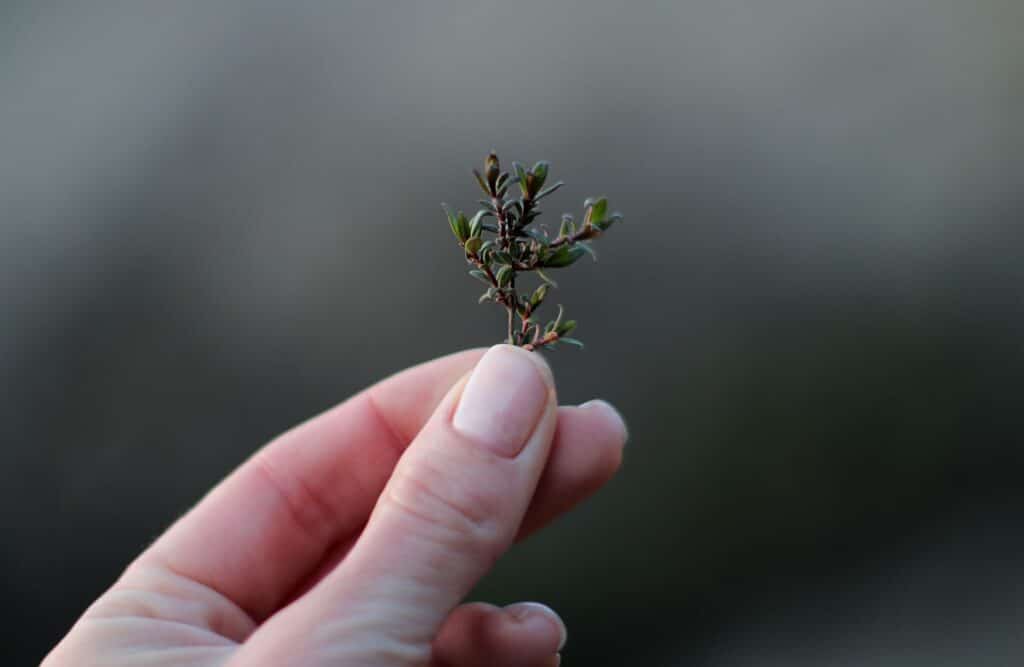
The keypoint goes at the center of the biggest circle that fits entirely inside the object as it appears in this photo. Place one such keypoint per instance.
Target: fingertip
(540, 620)
(587, 453)
(503, 402)
(524, 633)
(614, 420)
(535, 358)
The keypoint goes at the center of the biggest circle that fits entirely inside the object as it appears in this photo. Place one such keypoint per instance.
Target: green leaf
(558, 320)
(545, 278)
(565, 327)
(504, 275)
(485, 252)
(567, 227)
(492, 169)
(605, 224)
(598, 209)
(548, 190)
(487, 296)
(473, 245)
(502, 257)
(571, 341)
(562, 256)
(476, 224)
(480, 275)
(459, 224)
(514, 207)
(454, 224)
(529, 185)
(586, 247)
(538, 295)
(540, 173)
(534, 234)
(480, 180)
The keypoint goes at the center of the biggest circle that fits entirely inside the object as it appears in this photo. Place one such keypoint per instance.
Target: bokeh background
(218, 217)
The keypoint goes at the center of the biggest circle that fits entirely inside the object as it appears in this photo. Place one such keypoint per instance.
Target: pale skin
(354, 538)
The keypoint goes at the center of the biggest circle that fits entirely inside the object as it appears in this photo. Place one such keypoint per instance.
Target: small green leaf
(540, 173)
(473, 245)
(475, 226)
(567, 227)
(529, 185)
(598, 209)
(538, 295)
(534, 234)
(548, 190)
(502, 257)
(565, 327)
(463, 223)
(586, 247)
(480, 180)
(571, 341)
(454, 224)
(545, 278)
(480, 275)
(504, 275)
(492, 169)
(605, 224)
(485, 252)
(487, 296)
(514, 207)
(562, 256)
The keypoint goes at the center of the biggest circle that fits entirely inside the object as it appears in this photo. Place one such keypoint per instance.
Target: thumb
(452, 506)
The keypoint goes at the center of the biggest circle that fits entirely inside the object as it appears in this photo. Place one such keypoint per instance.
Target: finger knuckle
(464, 512)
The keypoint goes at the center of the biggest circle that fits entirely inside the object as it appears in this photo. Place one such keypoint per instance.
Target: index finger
(256, 535)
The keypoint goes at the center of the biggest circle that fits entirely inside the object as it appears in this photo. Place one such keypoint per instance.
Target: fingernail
(611, 414)
(541, 613)
(503, 400)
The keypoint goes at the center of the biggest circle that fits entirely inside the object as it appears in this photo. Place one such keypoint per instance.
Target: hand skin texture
(353, 538)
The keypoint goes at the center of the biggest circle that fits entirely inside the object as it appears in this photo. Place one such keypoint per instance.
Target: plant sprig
(517, 245)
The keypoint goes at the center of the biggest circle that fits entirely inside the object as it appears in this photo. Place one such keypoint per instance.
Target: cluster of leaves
(519, 245)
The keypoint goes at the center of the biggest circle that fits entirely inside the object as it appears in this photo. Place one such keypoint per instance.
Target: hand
(352, 539)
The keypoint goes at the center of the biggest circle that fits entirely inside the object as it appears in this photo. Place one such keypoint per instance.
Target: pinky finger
(526, 634)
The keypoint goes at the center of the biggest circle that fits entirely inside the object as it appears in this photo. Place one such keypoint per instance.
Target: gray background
(217, 218)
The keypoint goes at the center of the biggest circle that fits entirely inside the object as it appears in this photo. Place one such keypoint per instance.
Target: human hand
(352, 538)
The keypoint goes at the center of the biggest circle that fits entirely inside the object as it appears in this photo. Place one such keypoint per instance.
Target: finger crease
(308, 509)
(397, 440)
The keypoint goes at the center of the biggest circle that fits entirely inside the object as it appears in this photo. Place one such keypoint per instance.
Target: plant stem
(585, 232)
(550, 337)
(504, 234)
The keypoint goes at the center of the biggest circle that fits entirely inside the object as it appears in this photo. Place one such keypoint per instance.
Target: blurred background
(220, 217)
